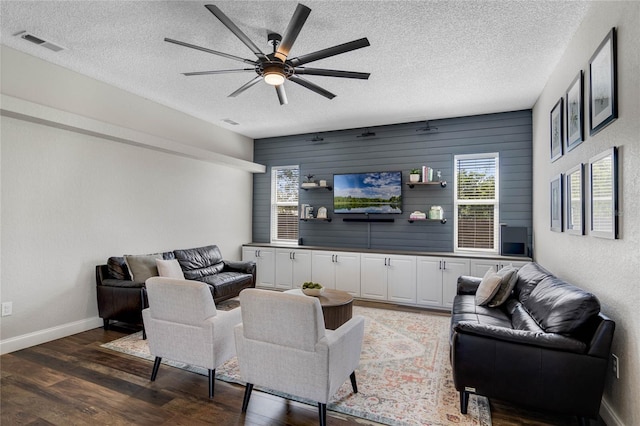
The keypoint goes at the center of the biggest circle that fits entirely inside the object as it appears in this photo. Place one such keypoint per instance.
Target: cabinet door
(249, 253)
(347, 272)
(322, 268)
(284, 268)
(301, 265)
(401, 279)
(373, 276)
(480, 267)
(429, 281)
(266, 268)
(452, 268)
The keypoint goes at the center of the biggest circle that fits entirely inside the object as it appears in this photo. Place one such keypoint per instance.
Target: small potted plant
(414, 175)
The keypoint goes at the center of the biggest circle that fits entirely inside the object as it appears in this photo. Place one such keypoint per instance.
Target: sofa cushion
(200, 262)
(559, 307)
(465, 309)
(169, 268)
(118, 269)
(509, 276)
(226, 284)
(142, 266)
(528, 278)
(488, 288)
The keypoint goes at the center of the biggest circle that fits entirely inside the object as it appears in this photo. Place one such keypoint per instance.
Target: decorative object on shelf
(555, 192)
(603, 85)
(575, 113)
(309, 179)
(603, 190)
(312, 289)
(322, 213)
(303, 211)
(418, 215)
(556, 130)
(414, 175)
(574, 200)
(323, 183)
(427, 174)
(436, 213)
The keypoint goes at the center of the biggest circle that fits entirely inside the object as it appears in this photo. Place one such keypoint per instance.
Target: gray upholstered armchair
(282, 345)
(182, 324)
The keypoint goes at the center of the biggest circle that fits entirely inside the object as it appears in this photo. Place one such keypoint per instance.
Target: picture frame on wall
(555, 193)
(556, 130)
(574, 200)
(575, 112)
(603, 90)
(603, 193)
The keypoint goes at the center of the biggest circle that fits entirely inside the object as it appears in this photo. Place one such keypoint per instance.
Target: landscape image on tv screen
(379, 192)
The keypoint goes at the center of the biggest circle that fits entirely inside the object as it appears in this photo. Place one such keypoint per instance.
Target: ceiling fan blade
(332, 73)
(311, 86)
(246, 86)
(204, 49)
(235, 30)
(330, 51)
(189, 74)
(293, 29)
(282, 95)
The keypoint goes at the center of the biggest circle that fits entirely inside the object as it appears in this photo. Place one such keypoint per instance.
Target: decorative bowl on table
(312, 289)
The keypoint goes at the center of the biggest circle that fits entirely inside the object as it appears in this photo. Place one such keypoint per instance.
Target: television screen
(379, 192)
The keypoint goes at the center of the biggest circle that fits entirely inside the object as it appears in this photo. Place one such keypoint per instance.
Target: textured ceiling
(427, 59)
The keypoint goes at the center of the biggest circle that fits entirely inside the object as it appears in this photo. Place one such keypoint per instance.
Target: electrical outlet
(615, 365)
(7, 308)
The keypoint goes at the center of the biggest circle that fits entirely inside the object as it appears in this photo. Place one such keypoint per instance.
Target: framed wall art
(555, 192)
(603, 193)
(556, 131)
(574, 200)
(603, 96)
(575, 113)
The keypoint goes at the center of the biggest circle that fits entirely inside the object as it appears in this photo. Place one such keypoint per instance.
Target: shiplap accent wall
(399, 147)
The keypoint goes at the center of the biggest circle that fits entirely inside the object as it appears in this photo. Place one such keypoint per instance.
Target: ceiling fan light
(274, 78)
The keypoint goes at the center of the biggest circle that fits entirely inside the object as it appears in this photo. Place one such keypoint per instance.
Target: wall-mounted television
(368, 193)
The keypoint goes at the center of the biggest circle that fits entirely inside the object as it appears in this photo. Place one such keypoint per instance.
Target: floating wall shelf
(443, 221)
(442, 183)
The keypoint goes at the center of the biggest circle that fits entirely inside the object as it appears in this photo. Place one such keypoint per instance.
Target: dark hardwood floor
(73, 381)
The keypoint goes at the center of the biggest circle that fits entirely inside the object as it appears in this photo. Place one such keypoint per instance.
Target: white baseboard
(42, 336)
(608, 415)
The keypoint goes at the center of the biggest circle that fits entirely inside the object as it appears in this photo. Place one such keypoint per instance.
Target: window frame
(495, 202)
(273, 222)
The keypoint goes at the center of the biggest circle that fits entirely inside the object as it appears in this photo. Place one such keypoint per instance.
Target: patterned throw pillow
(118, 268)
(488, 288)
(509, 276)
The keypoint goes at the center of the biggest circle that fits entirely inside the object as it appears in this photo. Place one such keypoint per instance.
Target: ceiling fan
(275, 68)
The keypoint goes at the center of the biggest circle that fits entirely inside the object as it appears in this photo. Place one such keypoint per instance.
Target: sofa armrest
(246, 267)
(531, 338)
(467, 284)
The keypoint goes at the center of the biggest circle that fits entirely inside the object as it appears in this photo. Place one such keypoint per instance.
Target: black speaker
(513, 241)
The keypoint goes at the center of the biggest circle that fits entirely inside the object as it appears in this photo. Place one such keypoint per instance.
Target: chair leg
(583, 421)
(105, 323)
(212, 376)
(247, 395)
(464, 401)
(144, 334)
(156, 366)
(354, 385)
(322, 413)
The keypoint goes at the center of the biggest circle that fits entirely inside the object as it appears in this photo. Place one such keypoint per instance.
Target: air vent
(230, 121)
(39, 41)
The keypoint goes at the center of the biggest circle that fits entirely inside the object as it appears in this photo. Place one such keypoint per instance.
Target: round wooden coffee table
(336, 306)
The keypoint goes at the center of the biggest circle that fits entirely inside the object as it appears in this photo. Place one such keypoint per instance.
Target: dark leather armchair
(547, 347)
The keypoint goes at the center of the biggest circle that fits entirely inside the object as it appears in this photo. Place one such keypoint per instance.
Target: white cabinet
(437, 279)
(479, 267)
(388, 277)
(265, 264)
(293, 268)
(336, 270)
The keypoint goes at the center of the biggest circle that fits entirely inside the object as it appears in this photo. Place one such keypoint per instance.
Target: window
(284, 203)
(476, 222)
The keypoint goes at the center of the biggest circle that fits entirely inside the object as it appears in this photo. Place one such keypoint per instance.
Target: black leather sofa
(547, 347)
(122, 299)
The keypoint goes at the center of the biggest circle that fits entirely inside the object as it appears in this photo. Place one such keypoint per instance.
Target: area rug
(404, 377)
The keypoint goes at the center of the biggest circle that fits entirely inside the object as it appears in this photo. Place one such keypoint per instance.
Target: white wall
(608, 268)
(70, 200)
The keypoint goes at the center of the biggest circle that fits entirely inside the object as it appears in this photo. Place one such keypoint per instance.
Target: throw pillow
(509, 276)
(118, 268)
(169, 268)
(488, 288)
(142, 266)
